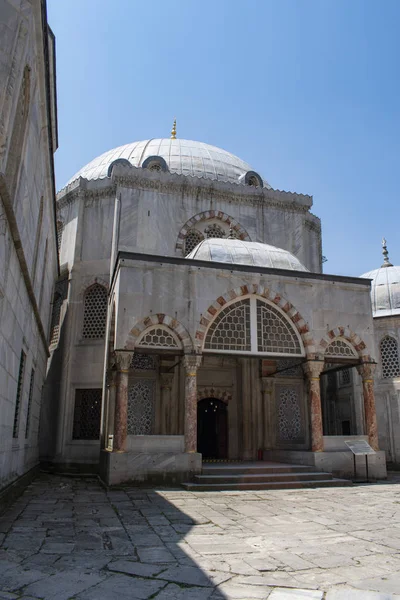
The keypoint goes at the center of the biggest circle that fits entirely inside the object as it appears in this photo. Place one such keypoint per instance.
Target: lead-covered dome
(385, 291)
(185, 157)
(230, 250)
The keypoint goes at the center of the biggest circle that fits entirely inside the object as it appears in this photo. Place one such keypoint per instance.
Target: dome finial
(173, 131)
(231, 235)
(386, 261)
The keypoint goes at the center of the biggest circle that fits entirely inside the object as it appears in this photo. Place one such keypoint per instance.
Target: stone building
(28, 242)
(385, 297)
(192, 319)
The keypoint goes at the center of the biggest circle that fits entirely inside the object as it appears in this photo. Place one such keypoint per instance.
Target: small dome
(385, 291)
(228, 250)
(184, 157)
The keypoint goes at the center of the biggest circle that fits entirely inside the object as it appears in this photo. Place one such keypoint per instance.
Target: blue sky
(306, 91)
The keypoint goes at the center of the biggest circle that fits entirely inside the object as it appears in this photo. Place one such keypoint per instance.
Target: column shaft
(123, 361)
(192, 363)
(367, 373)
(313, 370)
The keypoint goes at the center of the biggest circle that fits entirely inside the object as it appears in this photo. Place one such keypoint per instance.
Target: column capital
(313, 368)
(191, 363)
(366, 370)
(166, 380)
(267, 384)
(123, 359)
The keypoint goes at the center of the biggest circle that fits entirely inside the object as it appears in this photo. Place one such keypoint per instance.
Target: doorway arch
(212, 428)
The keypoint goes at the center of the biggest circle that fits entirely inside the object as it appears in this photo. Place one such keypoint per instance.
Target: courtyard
(70, 538)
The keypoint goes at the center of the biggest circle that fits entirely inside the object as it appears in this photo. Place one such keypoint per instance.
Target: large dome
(184, 157)
(385, 290)
(228, 250)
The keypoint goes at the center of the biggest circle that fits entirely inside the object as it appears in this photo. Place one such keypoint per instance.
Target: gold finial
(173, 132)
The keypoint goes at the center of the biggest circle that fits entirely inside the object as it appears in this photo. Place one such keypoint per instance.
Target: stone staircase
(261, 475)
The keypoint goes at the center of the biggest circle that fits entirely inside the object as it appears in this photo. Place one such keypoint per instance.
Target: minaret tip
(386, 261)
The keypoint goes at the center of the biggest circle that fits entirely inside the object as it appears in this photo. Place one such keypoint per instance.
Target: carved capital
(313, 369)
(123, 360)
(166, 380)
(267, 384)
(366, 370)
(191, 363)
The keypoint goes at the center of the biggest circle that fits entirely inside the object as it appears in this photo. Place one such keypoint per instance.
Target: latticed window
(141, 407)
(87, 414)
(55, 319)
(390, 357)
(192, 238)
(340, 349)
(30, 398)
(214, 231)
(20, 386)
(231, 329)
(143, 362)
(159, 337)
(60, 229)
(287, 367)
(345, 377)
(95, 312)
(289, 416)
(274, 334)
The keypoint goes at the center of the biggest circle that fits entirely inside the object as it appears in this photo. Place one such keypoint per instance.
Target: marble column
(123, 361)
(166, 381)
(112, 387)
(367, 375)
(313, 370)
(191, 363)
(267, 388)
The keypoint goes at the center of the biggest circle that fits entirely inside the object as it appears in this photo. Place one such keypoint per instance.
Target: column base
(160, 468)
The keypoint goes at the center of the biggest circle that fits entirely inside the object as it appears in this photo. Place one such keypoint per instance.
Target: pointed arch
(220, 393)
(352, 338)
(240, 232)
(274, 298)
(168, 323)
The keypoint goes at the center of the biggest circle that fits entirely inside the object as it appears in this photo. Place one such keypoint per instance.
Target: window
(231, 329)
(141, 408)
(390, 357)
(159, 337)
(95, 312)
(60, 229)
(87, 414)
(345, 377)
(192, 239)
(214, 231)
(274, 334)
(341, 349)
(20, 386)
(28, 413)
(55, 319)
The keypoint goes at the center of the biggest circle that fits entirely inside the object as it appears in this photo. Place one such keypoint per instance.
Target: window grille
(30, 398)
(87, 414)
(95, 312)
(60, 229)
(155, 167)
(274, 334)
(340, 349)
(289, 417)
(214, 231)
(143, 362)
(141, 408)
(55, 319)
(192, 238)
(231, 329)
(291, 368)
(158, 337)
(345, 377)
(20, 386)
(390, 357)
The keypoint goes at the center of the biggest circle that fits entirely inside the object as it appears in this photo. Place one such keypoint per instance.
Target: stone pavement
(69, 538)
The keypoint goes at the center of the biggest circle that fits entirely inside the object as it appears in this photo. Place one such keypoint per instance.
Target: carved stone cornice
(89, 196)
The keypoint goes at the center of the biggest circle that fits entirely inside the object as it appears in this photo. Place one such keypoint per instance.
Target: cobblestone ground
(70, 539)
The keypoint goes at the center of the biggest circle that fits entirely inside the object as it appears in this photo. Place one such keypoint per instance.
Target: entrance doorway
(212, 428)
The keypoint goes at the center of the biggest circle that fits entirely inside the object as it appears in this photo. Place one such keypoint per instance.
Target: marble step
(254, 468)
(261, 477)
(271, 485)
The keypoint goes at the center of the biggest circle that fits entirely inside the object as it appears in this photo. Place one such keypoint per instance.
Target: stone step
(272, 485)
(251, 468)
(261, 477)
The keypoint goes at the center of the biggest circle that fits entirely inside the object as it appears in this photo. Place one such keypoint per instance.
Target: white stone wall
(28, 248)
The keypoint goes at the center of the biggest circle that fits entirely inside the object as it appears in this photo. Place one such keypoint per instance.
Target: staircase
(260, 476)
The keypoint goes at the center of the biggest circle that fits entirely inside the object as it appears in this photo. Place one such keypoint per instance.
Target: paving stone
(193, 576)
(175, 592)
(135, 568)
(57, 548)
(155, 555)
(63, 585)
(15, 578)
(232, 591)
(352, 594)
(122, 587)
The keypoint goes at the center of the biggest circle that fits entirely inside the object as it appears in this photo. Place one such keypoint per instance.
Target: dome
(228, 250)
(184, 157)
(385, 291)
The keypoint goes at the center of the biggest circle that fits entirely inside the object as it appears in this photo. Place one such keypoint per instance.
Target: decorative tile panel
(141, 407)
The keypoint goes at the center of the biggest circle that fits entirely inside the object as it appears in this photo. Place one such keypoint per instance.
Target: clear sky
(306, 91)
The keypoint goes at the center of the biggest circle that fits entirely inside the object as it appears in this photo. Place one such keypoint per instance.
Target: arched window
(55, 319)
(253, 326)
(390, 357)
(193, 238)
(95, 312)
(159, 337)
(341, 349)
(214, 231)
